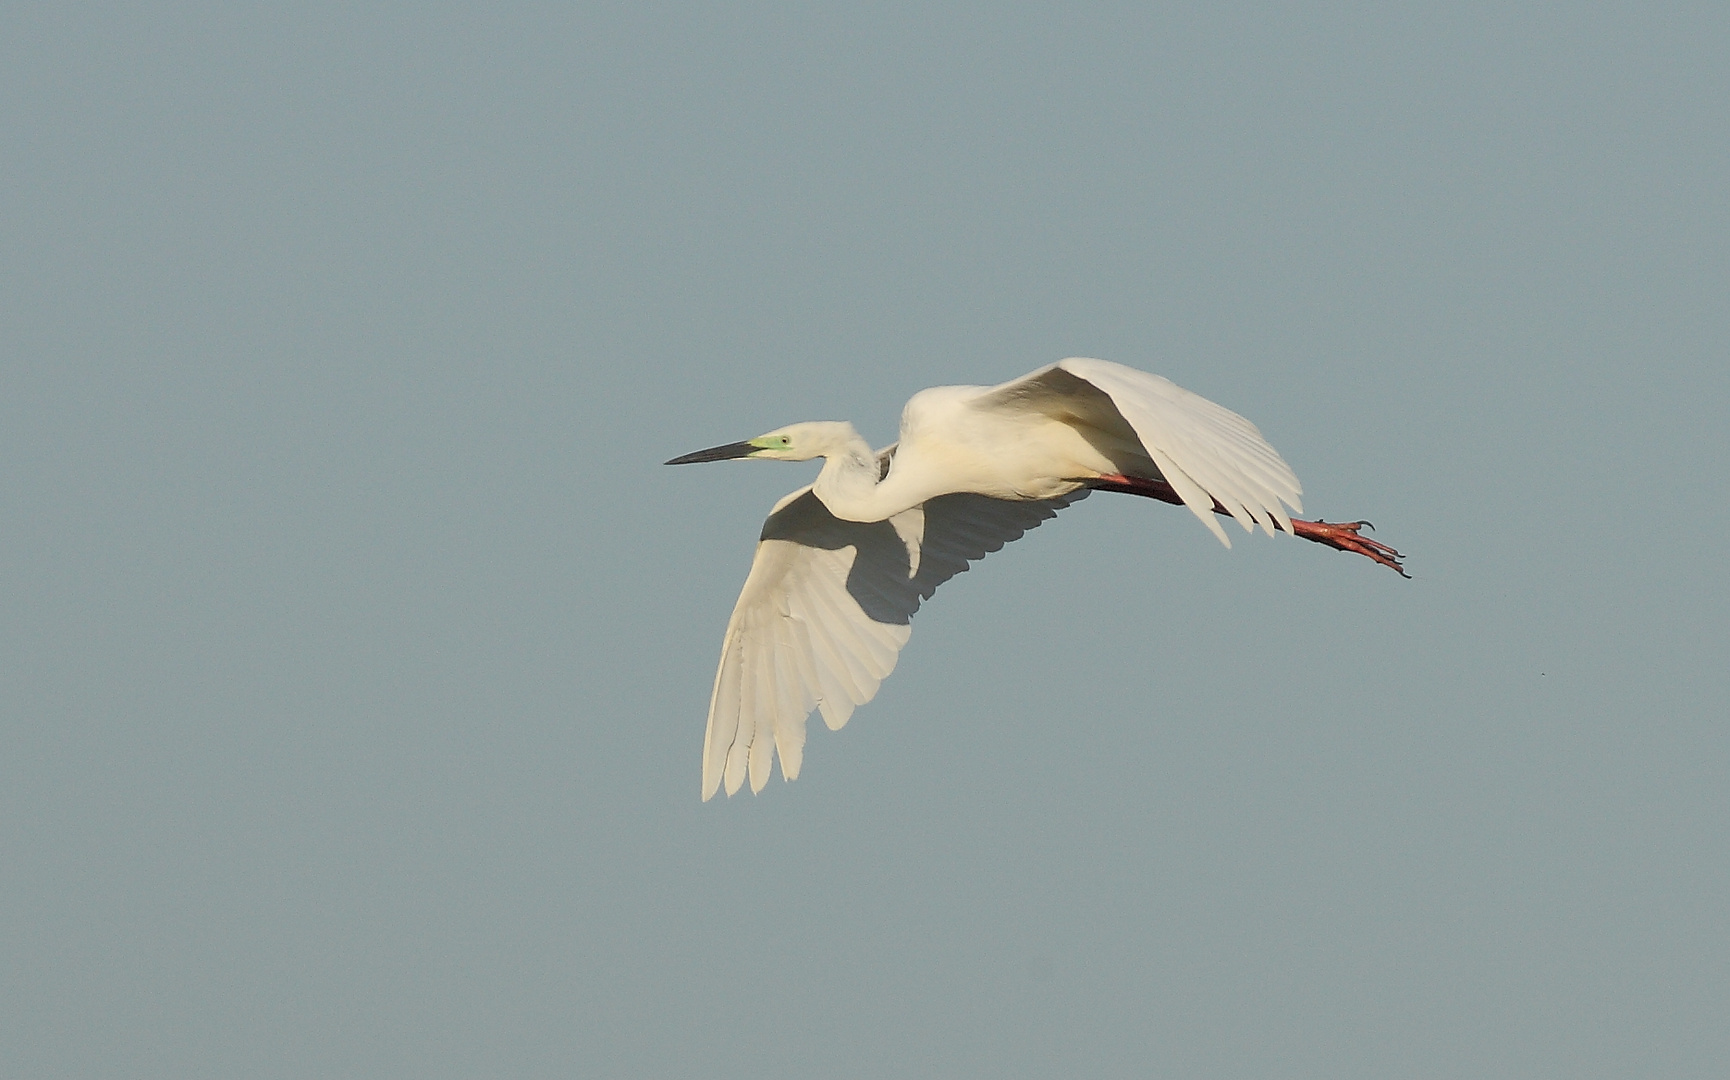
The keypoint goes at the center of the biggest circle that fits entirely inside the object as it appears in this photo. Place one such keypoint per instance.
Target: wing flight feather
(1206, 452)
(1223, 453)
(824, 614)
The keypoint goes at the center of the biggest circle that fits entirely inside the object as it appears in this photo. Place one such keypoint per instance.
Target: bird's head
(795, 442)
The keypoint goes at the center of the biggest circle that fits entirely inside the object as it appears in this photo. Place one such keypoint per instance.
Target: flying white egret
(844, 563)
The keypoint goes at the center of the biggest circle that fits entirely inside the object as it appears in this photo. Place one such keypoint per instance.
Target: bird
(843, 563)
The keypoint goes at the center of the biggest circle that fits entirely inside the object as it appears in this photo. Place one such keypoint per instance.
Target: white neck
(849, 487)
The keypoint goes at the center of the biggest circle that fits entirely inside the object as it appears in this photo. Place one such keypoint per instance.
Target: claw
(1343, 536)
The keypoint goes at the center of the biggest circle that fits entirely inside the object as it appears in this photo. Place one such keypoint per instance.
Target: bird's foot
(1343, 536)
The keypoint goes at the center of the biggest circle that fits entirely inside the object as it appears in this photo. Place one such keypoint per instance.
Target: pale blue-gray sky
(355, 646)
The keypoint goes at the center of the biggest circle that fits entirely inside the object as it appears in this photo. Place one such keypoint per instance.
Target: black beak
(716, 453)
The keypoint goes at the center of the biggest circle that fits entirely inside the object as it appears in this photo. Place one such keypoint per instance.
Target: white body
(843, 564)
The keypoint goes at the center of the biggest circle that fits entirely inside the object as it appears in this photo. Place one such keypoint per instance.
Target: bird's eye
(785, 441)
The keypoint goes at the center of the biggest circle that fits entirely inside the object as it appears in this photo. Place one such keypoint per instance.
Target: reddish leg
(1341, 536)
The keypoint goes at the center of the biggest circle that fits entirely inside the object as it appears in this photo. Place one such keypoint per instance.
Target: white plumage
(843, 564)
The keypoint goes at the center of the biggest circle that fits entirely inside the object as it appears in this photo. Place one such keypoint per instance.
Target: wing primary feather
(1200, 503)
(737, 753)
(1221, 456)
(760, 752)
(790, 701)
(724, 705)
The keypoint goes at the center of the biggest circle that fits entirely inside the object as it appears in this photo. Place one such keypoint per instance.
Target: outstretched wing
(824, 614)
(1207, 453)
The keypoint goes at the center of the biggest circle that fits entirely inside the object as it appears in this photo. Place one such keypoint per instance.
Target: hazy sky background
(355, 646)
